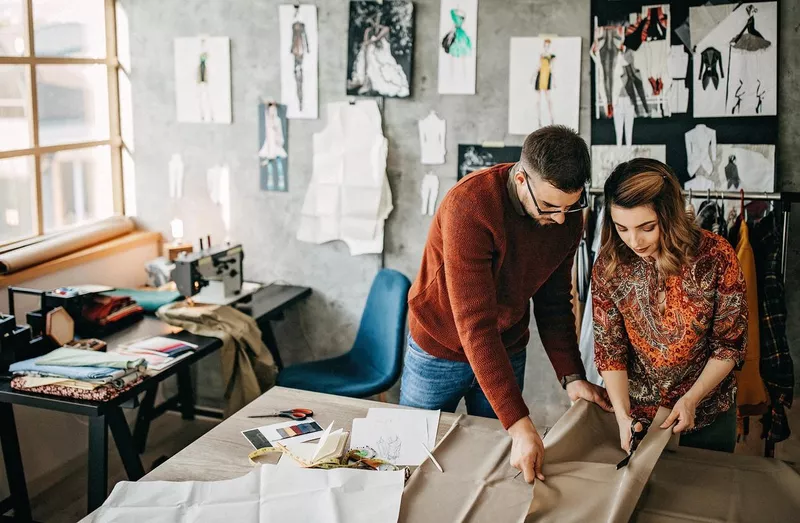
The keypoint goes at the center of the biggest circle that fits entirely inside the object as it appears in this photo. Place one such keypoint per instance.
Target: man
(501, 236)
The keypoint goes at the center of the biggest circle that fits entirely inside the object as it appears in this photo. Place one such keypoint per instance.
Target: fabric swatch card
(287, 434)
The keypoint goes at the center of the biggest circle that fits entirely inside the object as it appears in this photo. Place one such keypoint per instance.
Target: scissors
(295, 414)
(636, 438)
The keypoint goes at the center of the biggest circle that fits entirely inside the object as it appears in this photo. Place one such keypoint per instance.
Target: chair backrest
(380, 341)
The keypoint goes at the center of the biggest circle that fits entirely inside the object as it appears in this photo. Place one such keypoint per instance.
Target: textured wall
(266, 222)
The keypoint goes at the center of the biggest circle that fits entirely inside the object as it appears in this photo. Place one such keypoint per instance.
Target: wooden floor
(66, 501)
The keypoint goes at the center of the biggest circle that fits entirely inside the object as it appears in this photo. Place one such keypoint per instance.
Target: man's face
(547, 197)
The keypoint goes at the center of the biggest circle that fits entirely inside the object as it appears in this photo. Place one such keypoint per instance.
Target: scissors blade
(625, 461)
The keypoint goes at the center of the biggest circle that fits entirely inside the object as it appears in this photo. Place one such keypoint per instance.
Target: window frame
(114, 141)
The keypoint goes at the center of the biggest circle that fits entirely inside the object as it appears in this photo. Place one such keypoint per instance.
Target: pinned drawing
(606, 157)
(299, 60)
(473, 158)
(458, 36)
(273, 158)
(203, 79)
(380, 48)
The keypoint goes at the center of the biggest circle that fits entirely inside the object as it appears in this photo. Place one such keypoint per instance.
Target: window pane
(12, 28)
(74, 28)
(76, 187)
(129, 183)
(123, 38)
(17, 213)
(73, 103)
(126, 109)
(14, 107)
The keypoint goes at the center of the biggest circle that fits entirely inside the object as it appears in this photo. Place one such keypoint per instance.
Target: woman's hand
(683, 412)
(624, 423)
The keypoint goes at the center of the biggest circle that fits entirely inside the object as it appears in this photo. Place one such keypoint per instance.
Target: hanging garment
(432, 131)
(632, 83)
(349, 196)
(176, 176)
(711, 62)
(752, 396)
(699, 185)
(624, 113)
(711, 217)
(701, 149)
(247, 365)
(586, 343)
(430, 193)
(777, 368)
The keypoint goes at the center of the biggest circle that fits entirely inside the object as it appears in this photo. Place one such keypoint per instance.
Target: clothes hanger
(742, 210)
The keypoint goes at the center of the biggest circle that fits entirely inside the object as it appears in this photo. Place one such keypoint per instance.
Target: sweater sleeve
(468, 244)
(555, 319)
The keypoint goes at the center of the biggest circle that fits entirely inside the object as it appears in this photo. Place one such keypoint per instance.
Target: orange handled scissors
(295, 414)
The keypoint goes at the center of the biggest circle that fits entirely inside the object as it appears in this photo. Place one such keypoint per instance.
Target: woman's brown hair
(643, 181)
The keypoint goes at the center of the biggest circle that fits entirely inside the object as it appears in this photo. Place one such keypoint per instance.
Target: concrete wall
(266, 223)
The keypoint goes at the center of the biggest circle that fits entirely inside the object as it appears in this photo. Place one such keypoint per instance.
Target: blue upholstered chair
(375, 362)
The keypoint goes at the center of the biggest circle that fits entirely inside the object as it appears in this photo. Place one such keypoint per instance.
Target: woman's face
(638, 228)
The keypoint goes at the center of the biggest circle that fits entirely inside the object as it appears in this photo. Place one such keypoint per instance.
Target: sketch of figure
(272, 153)
(543, 81)
(760, 95)
(457, 43)
(204, 97)
(389, 448)
(299, 50)
(749, 41)
(375, 68)
(732, 172)
(606, 47)
(739, 94)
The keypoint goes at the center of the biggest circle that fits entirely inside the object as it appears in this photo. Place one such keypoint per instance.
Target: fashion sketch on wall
(736, 63)
(203, 79)
(473, 158)
(544, 83)
(631, 64)
(606, 157)
(273, 140)
(380, 48)
(458, 44)
(299, 60)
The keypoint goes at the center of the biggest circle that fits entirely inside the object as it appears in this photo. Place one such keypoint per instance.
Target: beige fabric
(64, 244)
(247, 365)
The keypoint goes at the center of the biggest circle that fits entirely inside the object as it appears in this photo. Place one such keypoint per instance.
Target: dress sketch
(710, 67)
(203, 91)
(457, 43)
(375, 68)
(299, 50)
(543, 81)
(748, 43)
(272, 152)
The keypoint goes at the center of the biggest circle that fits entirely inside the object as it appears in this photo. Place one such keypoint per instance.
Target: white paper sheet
(396, 440)
(430, 417)
(267, 494)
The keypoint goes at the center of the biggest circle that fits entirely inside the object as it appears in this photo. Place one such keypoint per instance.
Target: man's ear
(519, 177)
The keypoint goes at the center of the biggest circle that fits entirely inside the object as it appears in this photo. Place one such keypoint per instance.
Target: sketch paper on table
(544, 83)
(380, 48)
(274, 141)
(735, 65)
(473, 157)
(432, 131)
(458, 45)
(203, 79)
(396, 441)
(430, 417)
(299, 60)
(606, 157)
(176, 177)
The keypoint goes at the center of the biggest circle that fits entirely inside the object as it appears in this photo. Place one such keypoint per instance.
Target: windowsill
(102, 250)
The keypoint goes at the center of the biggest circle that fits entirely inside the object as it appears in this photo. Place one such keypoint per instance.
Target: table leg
(143, 419)
(98, 462)
(125, 444)
(269, 340)
(13, 460)
(186, 392)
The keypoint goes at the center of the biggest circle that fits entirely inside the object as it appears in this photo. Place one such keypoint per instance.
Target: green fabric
(150, 301)
(67, 357)
(720, 435)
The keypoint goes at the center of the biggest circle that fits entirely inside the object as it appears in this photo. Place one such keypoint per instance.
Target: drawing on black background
(473, 158)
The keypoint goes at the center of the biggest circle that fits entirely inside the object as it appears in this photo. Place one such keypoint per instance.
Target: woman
(670, 311)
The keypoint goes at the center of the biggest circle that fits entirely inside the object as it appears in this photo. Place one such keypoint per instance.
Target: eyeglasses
(581, 204)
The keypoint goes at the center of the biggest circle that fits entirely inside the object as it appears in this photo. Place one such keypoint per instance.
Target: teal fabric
(719, 436)
(374, 363)
(150, 301)
(67, 357)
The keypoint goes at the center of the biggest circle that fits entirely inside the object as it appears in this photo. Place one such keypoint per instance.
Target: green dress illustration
(456, 43)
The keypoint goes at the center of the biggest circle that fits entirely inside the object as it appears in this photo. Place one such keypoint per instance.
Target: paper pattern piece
(273, 138)
(218, 179)
(395, 440)
(203, 79)
(299, 60)
(606, 157)
(432, 130)
(458, 46)
(380, 48)
(473, 158)
(349, 197)
(430, 194)
(736, 64)
(544, 83)
(176, 177)
(266, 495)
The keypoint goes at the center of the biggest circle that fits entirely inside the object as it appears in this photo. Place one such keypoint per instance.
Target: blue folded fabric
(30, 368)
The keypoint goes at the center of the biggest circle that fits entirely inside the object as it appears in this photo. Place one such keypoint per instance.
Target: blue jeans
(434, 383)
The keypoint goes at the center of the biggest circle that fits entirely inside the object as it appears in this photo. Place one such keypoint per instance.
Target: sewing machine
(213, 275)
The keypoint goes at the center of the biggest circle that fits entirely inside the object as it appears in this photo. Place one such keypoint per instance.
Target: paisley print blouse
(705, 316)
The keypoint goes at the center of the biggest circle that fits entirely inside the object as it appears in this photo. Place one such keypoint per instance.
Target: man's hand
(582, 389)
(527, 450)
(683, 412)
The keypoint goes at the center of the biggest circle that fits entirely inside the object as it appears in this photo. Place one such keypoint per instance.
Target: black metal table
(108, 415)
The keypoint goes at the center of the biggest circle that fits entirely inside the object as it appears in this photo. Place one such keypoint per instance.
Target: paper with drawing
(398, 441)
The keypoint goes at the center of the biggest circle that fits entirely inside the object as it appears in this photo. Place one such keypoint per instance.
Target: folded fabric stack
(81, 374)
(160, 352)
(108, 310)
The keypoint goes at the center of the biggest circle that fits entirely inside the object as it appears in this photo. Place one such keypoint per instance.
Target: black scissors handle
(636, 437)
(295, 414)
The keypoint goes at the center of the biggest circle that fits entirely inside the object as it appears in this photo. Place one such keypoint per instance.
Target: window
(61, 146)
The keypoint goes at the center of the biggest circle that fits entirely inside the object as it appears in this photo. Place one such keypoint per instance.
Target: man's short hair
(559, 155)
